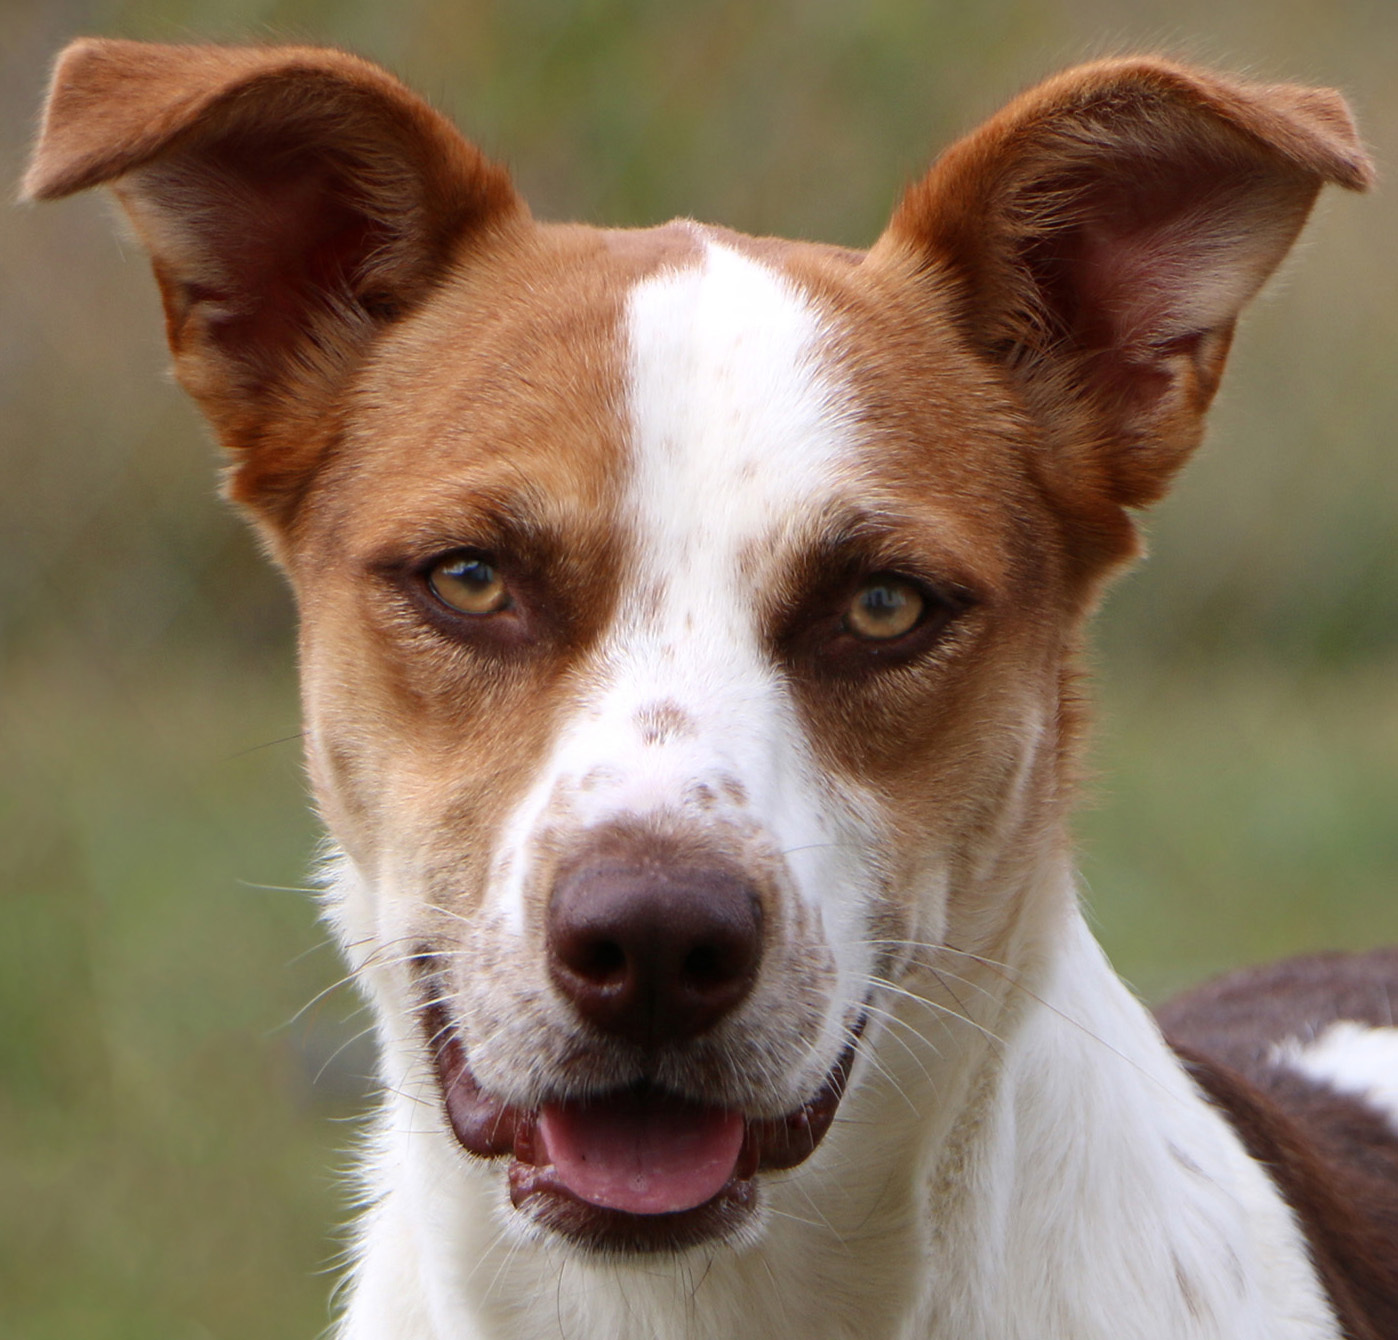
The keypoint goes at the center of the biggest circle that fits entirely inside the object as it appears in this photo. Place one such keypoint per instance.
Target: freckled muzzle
(652, 936)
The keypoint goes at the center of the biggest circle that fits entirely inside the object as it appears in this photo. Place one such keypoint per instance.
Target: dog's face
(665, 670)
(685, 618)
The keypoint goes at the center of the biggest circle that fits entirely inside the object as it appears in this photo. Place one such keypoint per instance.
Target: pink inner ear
(1143, 280)
(1157, 261)
(263, 244)
(1129, 283)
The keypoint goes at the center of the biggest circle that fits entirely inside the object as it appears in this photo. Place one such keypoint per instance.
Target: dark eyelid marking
(808, 614)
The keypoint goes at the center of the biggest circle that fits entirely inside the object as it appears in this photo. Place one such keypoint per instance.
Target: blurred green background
(175, 1092)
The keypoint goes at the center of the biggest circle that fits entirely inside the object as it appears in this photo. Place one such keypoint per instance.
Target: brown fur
(1334, 1158)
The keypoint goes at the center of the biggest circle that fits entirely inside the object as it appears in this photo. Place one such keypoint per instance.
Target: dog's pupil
(473, 573)
(885, 609)
(883, 602)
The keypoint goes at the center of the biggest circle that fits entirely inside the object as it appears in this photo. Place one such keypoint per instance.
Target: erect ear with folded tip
(1099, 237)
(295, 201)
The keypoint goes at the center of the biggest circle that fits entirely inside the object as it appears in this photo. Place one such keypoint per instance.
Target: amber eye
(468, 583)
(885, 607)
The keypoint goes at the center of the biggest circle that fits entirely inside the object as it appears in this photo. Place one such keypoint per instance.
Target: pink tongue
(641, 1153)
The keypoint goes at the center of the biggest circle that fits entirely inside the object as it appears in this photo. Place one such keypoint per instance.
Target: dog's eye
(885, 607)
(468, 583)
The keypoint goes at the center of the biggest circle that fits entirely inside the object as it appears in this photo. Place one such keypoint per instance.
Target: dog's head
(686, 618)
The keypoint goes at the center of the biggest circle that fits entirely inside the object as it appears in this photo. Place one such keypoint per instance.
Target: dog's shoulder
(1302, 1058)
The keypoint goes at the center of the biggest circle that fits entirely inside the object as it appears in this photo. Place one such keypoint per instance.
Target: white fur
(1042, 1170)
(1353, 1059)
(1112, 1200)
(1068, 1183)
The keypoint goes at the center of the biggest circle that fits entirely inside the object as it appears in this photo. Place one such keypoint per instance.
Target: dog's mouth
(638, 1169)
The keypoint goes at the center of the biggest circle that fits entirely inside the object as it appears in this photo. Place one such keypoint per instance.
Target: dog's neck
(1091, 1188)
(1044, 1167)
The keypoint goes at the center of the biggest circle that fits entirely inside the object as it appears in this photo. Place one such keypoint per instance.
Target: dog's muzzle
(649, 947)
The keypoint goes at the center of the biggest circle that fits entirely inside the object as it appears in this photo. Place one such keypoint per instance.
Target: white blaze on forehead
(741, 435)
(739, 427)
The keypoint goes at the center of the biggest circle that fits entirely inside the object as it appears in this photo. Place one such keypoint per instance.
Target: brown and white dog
(688, 628)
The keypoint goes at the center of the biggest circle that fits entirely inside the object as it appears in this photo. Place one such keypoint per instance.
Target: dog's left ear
(1101, 235)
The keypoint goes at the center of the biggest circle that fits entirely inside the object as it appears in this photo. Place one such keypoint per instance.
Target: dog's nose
(650, 951)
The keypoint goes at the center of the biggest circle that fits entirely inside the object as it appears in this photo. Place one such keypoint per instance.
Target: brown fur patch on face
(702, 795)
(492, 422)
(734, 791)
(599, 776)
(965, 741)
(661, 722)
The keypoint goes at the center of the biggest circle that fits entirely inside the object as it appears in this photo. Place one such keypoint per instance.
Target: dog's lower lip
(489, 1128)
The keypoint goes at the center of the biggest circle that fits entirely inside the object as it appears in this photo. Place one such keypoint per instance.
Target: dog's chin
(636, 1170)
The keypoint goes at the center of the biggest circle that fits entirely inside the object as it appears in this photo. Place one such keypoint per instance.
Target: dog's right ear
(294, 201)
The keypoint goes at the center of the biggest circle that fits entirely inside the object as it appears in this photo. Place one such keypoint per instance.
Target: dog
(688, 630)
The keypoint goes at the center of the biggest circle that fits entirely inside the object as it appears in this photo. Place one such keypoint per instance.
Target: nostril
(704, 965)
(720, 965)
(600, 961)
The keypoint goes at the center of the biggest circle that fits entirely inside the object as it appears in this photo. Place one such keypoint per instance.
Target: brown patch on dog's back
(1238, 1018)
(1332, 1156)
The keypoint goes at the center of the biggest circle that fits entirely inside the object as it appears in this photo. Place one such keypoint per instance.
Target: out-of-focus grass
(1241, 813)
(165, 1150)
(165, 1155)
